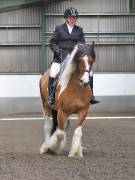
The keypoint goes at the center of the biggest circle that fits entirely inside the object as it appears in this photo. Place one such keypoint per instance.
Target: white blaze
(85, 77)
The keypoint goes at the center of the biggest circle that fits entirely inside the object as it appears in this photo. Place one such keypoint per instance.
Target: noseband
(81, 81)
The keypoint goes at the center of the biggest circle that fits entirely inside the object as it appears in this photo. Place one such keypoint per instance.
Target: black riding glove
(58, 53)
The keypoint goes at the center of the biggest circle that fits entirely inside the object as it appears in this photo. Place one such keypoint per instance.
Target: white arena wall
(104, 85)
(20, 93)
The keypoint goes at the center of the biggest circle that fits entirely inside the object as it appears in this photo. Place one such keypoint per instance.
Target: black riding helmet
(70, 12)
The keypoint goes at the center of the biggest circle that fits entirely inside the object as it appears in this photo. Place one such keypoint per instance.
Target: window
(132, 5)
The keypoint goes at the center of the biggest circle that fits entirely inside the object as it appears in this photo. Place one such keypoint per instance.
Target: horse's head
(84, 58)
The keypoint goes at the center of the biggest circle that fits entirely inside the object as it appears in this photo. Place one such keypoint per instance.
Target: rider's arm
(82, 39)
(53, 41)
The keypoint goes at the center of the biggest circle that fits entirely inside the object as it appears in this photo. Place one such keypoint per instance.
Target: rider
(62, 42)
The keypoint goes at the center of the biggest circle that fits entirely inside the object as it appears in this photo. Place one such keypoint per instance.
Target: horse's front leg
(76, 147)
(58, 139)
(47, 133)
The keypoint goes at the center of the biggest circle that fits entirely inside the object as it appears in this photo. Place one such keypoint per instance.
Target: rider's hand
(59, 52)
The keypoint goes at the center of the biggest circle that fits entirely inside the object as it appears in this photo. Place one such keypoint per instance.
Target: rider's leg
(93, 99)
(55, 68)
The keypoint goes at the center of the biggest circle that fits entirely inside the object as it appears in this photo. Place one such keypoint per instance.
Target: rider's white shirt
(70, 28)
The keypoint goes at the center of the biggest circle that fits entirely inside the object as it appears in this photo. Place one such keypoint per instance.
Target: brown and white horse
(72, 95)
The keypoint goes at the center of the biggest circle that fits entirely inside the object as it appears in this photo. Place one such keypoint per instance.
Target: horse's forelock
(82, 51)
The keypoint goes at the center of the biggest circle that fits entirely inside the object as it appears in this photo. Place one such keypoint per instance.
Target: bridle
(80, 77)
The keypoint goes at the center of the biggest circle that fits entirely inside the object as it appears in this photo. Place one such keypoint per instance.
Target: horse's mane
(69, 69)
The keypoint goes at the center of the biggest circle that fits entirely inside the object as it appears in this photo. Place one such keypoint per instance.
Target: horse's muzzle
(83, 83)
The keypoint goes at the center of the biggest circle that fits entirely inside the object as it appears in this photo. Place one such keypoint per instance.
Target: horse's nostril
(81, 82)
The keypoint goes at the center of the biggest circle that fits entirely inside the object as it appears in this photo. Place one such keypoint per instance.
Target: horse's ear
(92, 51)
(92, 45)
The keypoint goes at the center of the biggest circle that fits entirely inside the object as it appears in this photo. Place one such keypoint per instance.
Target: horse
(72, 96)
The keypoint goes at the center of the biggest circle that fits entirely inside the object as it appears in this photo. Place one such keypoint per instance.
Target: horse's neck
(75, 80)
(68, 71)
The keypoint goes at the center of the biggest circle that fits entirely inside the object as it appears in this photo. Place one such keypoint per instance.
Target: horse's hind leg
(55, 122)
(76, 147)
(47, 133)
(58, 139)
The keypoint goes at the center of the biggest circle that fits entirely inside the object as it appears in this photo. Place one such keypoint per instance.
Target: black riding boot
(50, 91)
(93, 99)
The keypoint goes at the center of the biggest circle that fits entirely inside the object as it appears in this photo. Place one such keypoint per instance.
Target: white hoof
(44, 148)
(75, 156)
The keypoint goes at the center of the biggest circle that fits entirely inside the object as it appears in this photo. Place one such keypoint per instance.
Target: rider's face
(71, 20)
